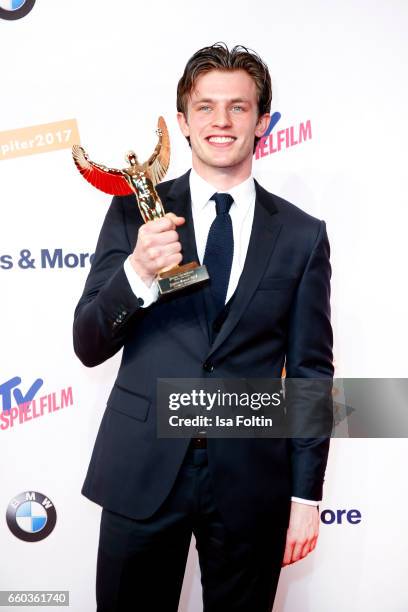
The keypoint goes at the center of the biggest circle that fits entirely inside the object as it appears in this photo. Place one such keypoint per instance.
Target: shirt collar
(201, 191)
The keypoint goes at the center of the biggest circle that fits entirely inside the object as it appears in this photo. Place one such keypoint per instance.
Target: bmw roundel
(31, 516)
(15, 9)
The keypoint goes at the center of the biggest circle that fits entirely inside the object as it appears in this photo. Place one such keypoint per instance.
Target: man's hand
(157, 247)
(302, 532)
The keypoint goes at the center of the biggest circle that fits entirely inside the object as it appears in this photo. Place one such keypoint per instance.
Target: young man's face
(222, 122)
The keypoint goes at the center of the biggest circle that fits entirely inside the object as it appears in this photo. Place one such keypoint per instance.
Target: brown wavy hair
(219, 57)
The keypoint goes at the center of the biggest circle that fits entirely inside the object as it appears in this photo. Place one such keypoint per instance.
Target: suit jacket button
(208, 366)
(140, 301)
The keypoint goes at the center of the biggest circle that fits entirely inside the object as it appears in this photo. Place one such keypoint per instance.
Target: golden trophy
(141, 180)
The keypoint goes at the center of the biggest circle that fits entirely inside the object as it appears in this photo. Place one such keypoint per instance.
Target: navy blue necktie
(219, 249)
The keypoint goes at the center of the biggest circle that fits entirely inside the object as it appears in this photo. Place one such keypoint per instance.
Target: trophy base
(180, 277)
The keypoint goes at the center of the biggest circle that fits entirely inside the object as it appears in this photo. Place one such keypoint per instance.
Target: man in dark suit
(252, 504)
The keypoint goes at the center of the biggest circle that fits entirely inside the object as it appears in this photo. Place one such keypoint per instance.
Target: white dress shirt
(203, 213)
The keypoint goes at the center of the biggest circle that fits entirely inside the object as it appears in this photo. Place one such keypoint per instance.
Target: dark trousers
(141, 563)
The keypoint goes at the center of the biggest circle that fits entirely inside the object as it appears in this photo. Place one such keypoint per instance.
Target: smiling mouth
(220, 140)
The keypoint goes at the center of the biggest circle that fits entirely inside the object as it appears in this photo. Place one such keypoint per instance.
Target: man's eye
(204, 108)
(238, 108)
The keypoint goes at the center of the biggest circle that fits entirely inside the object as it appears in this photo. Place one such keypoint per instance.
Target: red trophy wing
(106, 179)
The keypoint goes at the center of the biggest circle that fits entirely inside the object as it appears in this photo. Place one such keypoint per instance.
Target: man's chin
(222, 162)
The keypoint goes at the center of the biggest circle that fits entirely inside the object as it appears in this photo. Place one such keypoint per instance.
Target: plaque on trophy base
(180, 277)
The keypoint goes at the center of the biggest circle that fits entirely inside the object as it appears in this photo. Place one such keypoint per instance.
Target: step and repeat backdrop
(100, 73)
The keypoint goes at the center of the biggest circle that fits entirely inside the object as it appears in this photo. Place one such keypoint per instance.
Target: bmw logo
(31, 516)
(15, 9)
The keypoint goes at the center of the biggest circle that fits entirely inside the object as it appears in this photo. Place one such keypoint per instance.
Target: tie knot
(223, 202)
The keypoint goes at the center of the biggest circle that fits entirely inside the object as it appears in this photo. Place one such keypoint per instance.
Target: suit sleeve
(309, 356)
(108, 305)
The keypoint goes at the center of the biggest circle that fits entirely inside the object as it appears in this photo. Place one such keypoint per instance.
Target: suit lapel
(265, 231)
(178, 200)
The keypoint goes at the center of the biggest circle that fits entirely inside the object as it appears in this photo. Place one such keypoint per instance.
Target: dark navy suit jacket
(280, 316)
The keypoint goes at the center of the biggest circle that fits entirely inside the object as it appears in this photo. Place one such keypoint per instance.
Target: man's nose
(221, 117)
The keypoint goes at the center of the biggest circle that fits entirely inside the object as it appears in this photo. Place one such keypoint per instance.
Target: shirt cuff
(139, 288)
(309, 502)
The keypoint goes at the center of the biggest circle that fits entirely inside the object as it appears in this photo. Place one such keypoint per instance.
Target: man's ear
(262, 124)
(182, 121)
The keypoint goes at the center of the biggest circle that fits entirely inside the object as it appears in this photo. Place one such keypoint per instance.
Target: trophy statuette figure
(141, 180)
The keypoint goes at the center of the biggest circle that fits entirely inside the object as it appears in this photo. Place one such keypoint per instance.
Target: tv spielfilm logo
(31, 516)
(15, 9)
